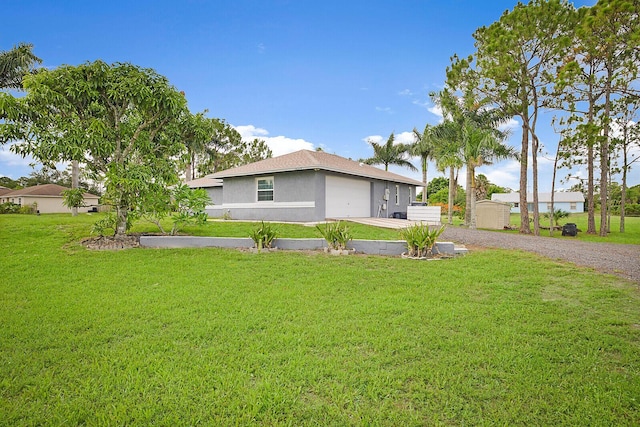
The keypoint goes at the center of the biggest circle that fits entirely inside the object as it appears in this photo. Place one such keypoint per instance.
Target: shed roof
(314, 160)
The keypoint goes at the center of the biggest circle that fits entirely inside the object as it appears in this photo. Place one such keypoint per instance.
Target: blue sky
(299, 74)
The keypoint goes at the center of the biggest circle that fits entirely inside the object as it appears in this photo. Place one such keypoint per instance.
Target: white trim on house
(264, 205)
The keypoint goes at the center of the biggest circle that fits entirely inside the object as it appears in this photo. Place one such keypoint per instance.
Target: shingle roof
(312, 160)
(204, 182)
(44, 190)
(4, 190)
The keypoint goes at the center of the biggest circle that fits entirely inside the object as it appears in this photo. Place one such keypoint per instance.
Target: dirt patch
(111, 243)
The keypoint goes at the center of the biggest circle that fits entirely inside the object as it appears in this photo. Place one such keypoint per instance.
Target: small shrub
(9, 208)
(263, 235)
(558, 214)
(29, 209)
(336, 234)
(420, 239)
(101, 226)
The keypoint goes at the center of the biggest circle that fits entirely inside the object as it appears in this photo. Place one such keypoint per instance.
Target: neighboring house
(47, 197)
(307, 186)
(570, 201)
(213, 187)
(4, 190)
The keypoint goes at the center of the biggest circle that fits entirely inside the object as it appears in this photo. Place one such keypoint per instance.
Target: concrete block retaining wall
(372, 247)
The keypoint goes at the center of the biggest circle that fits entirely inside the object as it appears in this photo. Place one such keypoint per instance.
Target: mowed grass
(225, 337)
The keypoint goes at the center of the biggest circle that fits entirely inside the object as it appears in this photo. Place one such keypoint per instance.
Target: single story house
(308, 186)
(47, 198)
(568, 201)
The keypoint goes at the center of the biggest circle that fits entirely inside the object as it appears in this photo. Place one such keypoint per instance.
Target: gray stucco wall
(299, 196)
(215, 194)
(294, 195)
(377, 194)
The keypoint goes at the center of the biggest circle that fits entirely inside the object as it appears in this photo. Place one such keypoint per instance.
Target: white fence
(428, 214)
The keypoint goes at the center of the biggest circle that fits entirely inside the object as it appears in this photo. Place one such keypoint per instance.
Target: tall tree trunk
(121, 221)
(625, 166)
(591, 202)
(604, 158)
(472, 198)
(75, 182)
(524, 210)
(467, 209)
(425, 164)
(534, 167)
(452, 194)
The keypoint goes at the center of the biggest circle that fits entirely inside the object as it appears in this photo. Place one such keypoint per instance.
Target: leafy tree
(182, 204)
(389, 154)
(513, 67)
(436, 184)
(603, 65)
(480, 147)
(15, 64)
(121, 121)
(214, 145)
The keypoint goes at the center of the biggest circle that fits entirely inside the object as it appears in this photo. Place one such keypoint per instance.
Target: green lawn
(224, 337)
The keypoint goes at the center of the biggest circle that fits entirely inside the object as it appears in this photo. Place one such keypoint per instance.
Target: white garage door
(346, 197)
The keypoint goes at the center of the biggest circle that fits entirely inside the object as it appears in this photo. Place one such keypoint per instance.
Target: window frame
(397, 195)
(265, 190)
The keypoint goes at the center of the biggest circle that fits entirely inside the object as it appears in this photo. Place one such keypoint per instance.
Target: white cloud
(405, 92)
(436, 110)
(404, 138)
(385, 110)
(510, 125)
(378, 139)
(279, 145)
(399, 138)
(8, 158)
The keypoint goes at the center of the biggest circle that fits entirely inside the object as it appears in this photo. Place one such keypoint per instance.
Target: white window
(410, 195)
(516, 205)
(573, 206)
(397, 195)
(265, 189)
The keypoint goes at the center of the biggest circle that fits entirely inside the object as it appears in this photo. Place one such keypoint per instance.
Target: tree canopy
(121, 121)
(15, 64)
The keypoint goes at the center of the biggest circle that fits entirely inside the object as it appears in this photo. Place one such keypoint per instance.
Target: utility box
(493, 215)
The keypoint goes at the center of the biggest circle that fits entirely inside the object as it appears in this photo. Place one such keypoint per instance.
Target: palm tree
(15, 64)
(480, 147)
(447, 155)
(424, 147)
(389, 154)
(475, 127)
(482, 187)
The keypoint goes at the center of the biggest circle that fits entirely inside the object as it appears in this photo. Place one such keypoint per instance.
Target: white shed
(492, 215)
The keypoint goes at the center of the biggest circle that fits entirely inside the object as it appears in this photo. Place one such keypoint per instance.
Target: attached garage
(347, 197)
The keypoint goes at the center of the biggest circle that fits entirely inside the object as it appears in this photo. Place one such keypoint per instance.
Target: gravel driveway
(622, 260)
